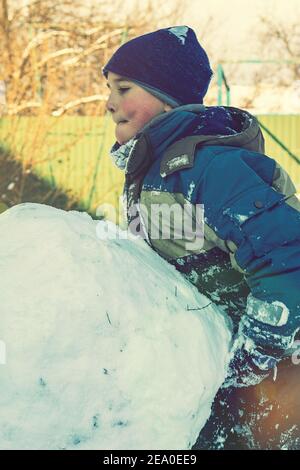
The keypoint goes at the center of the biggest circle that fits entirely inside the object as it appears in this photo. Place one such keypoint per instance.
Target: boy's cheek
(142, 117)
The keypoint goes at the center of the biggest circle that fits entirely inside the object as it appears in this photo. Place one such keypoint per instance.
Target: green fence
(70, 152)
(73, 152)
(284, 142)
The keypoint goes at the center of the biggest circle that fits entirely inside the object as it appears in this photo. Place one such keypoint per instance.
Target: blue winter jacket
(249, 258)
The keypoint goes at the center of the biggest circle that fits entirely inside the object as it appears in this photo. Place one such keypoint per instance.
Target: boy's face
(131, 106)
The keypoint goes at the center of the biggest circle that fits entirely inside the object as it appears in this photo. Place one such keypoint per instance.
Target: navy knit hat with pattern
(169, 63)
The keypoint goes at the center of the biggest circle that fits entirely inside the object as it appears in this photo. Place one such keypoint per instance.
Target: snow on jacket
(250, 259)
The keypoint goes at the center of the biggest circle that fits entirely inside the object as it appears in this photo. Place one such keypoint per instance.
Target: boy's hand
(247, 369)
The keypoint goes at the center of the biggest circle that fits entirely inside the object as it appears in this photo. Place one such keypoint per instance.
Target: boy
(174, 150)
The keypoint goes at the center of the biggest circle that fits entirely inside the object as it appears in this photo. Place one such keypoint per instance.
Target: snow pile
(102, 348)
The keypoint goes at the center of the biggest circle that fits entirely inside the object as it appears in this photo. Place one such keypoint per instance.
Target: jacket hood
(217, 125)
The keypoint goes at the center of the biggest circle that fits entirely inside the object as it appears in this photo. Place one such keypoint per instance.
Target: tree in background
(53, 52)
(51, 59)
(279, 42)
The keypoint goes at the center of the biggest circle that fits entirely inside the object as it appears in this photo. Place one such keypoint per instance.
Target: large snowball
(103, 344)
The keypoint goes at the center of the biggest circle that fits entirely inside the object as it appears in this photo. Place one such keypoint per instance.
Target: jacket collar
(191, 125)
(159, 134)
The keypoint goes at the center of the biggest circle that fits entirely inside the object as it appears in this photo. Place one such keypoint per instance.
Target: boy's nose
(110, 106)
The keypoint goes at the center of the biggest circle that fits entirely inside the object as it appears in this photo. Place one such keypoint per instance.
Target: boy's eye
(123, 90)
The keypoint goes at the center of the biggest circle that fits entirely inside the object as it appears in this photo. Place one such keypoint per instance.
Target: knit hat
(169, 63)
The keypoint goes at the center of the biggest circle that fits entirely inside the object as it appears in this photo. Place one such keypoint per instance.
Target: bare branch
(72, 104)
(35, 42)
(15, 109)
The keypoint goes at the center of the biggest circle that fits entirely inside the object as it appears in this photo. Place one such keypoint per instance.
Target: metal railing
(222, 81)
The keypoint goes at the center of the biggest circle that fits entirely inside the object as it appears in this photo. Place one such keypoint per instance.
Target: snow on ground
(99, 347)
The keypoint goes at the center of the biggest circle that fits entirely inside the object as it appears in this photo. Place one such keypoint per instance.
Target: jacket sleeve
(261, 228)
